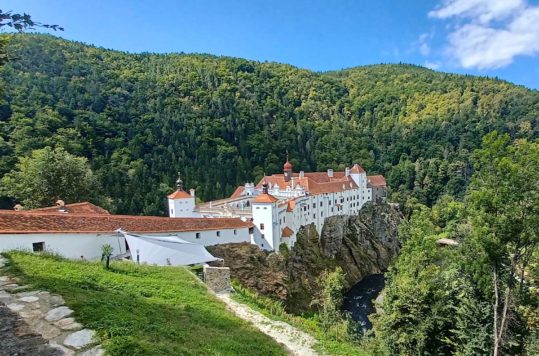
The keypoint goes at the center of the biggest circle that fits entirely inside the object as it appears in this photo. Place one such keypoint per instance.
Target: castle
(281, 203)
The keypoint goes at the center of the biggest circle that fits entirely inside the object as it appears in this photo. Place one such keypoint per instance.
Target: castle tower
(264, 209)
(180, 203)
(287, 170)
(359, 176)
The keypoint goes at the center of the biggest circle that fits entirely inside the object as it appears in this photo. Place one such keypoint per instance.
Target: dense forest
(139, 118)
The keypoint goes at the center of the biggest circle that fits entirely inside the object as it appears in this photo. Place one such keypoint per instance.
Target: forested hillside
(140, 118)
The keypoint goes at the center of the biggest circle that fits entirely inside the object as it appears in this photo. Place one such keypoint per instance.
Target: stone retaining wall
(217, 278)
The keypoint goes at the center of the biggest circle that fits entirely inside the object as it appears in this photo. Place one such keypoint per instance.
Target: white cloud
(492, 32)
(432, 65)
(423, 45)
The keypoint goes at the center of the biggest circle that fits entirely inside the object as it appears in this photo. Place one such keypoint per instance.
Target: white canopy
(166, 250)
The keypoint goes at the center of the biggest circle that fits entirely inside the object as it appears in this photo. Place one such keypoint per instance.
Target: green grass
(143, 310)
(326, 344)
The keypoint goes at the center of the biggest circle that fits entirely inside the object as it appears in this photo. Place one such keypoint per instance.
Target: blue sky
(497, 38)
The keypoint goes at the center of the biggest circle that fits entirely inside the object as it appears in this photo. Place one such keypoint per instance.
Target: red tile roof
(21, 222)
(377, 181)
(287, 232)
(291, 205)
(357, 169)
(238, 192)
(287, 166)
(313, 182)
(75, 208)
(265, 198)
(179, 194)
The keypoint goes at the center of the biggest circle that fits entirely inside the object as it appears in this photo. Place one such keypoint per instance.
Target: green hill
(140, 118)
(144, 310)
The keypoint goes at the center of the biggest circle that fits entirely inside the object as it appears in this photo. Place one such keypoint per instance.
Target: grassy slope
(143, 310)
(327, 344)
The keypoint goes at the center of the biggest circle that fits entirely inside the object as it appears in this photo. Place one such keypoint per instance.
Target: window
(321, 214)
(262, 236)
(218, 233)
(321, 203)
(261, 226)
(197, 235)
(38, 246)
(251, 230)
(171, 211)
(265, 208)
(235, 232)
(314, 205)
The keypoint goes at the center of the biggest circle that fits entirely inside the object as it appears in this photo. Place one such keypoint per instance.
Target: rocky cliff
(361, 245)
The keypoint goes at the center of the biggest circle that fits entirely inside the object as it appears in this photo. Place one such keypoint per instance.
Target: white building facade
(280, 204)
(79, 231)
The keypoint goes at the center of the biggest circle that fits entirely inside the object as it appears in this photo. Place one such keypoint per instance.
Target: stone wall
(217, 278)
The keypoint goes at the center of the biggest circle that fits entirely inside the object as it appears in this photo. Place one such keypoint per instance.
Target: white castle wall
(69, 245)
(75, 245)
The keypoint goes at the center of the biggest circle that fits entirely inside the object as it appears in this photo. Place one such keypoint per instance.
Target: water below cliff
(359, 300)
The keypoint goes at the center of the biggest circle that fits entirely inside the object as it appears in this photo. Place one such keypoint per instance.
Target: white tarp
(166, 250)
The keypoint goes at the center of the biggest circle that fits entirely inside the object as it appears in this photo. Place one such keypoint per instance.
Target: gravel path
(297, 342)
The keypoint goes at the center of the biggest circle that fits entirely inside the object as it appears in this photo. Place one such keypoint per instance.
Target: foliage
(331, 285)
(140, 118)
(481, 297)
(20, 22)
(327, 344)
(50, 174)
(504, 203)
(106, 252)
(144, 310)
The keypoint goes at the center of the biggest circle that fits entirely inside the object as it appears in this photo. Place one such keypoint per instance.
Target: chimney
(61, 206)
(347, 171)
(330, 173)
(192, 192)
(301, 174)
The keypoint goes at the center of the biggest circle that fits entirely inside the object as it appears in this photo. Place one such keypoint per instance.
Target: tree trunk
(496, 345)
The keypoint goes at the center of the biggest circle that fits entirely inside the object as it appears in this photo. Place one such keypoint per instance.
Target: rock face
(361, 245)
(254, 268)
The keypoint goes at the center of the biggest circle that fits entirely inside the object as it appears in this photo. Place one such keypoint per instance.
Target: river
(359, 300)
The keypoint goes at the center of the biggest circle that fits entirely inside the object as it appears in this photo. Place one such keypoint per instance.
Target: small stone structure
(45, 315)
(217, 278)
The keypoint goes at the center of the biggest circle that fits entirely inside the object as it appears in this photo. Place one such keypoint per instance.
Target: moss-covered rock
(361, 245)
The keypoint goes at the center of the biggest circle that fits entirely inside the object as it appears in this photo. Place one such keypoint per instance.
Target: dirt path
(297, 342)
